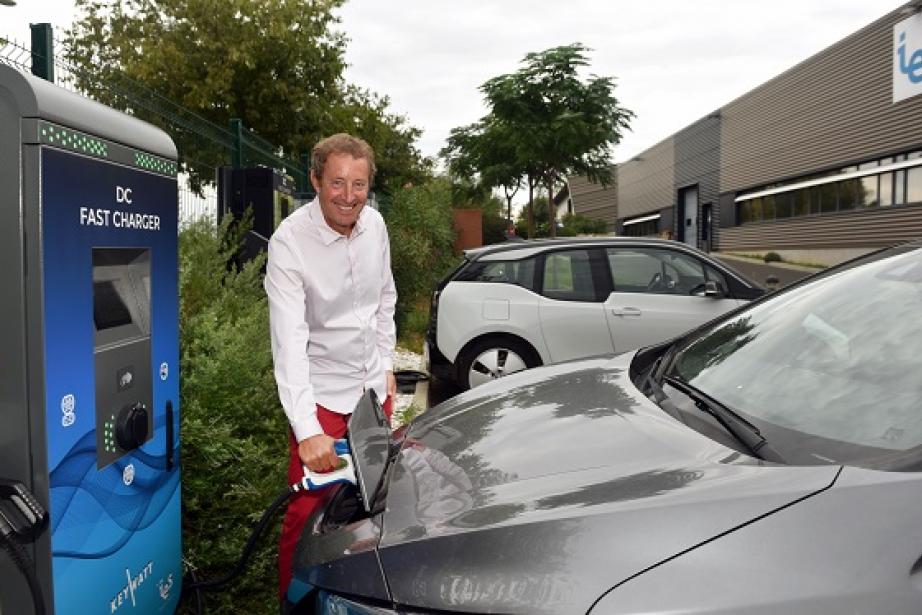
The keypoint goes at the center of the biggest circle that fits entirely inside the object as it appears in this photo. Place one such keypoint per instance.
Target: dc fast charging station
(89, 359)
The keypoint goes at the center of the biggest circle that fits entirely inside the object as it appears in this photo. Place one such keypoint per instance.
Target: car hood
(539, 492)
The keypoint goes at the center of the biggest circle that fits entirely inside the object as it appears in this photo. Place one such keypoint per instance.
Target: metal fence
(203, 145)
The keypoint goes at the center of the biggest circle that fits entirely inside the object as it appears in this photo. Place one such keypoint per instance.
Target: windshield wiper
(741, 429)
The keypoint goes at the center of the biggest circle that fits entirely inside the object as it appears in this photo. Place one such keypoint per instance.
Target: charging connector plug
(345, 473)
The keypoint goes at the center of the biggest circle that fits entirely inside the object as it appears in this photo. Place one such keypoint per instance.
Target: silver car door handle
(626, 311)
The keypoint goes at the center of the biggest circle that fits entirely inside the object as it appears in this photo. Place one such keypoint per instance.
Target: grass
(413, 332)
(407, 415)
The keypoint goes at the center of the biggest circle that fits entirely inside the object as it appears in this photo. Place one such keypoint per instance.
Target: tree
(485, 150)
(558, 124)
(398, 161)
(275, 64)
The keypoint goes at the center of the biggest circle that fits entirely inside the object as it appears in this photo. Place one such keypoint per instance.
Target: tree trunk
(551, 210)
(530, 212)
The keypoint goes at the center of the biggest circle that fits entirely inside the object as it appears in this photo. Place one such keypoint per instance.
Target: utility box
(89, 383)
(270, 195)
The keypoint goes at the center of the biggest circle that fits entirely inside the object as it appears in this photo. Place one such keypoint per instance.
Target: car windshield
(831, 371)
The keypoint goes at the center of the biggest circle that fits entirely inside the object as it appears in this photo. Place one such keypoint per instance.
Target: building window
(783, 205)
(899, 187)
(826, 198)
(848, 194)
(801, 203)
(886, 190)
(914, 185)
(868, 191)
(648, 228)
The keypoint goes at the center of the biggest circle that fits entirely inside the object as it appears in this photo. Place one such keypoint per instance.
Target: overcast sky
(674, 60)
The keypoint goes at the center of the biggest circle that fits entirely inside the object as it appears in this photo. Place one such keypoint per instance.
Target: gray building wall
(859, 229)
(594, 200)
(645, 183)
(697, 162)
(830, 110)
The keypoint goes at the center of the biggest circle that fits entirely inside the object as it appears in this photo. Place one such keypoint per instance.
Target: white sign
(68, 407)
(128, 474)
(907, 58)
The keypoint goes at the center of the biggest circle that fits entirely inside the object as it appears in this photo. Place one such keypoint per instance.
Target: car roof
(517, 249)
(522, 248)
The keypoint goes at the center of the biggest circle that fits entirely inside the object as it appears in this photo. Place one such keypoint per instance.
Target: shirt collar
(327, 234)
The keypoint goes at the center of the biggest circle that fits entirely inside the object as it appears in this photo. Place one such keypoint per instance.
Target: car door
(658, 294)
(572, 319)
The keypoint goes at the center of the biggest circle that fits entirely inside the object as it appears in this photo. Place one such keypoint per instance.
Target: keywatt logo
(907, 58)
(127, 595)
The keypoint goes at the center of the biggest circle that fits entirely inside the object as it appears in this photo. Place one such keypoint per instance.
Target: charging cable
(311, 481)
(22, 519)
(24, 563)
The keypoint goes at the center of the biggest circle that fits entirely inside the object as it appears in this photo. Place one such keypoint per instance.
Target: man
(331, 307)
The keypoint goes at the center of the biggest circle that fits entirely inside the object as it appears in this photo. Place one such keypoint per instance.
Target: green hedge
(234, 432)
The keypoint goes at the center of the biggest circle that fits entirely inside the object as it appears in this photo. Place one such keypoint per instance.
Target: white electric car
(517, 305)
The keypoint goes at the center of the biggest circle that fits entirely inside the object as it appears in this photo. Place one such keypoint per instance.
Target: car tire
(492, 358)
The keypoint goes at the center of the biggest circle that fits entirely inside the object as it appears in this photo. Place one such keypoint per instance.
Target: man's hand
(317, 454)
(391, 384)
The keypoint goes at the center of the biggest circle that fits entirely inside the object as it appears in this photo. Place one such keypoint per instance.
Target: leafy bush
(234, 432)
(772, 257)
(419, 222)
(578, 224)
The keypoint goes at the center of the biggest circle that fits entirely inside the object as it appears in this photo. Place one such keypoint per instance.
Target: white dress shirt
(331, 312)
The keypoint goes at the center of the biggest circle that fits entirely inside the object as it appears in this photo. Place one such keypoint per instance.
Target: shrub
(578, 224)
(772, 257)
(234, 432)
(420, 225)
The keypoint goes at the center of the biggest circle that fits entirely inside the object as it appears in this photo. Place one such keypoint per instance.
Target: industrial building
(820, 163)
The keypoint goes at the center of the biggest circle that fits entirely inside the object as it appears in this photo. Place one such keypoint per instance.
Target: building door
(706, 227)
(688, 216)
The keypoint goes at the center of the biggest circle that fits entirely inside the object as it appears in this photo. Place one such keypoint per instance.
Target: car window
(831, 369)
(521, 272)
(652, 270)
(567, 276)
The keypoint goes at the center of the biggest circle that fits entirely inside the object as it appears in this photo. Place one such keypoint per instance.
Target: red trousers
(303, 503)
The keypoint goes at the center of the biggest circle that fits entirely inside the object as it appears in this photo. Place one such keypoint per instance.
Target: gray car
(767, 462)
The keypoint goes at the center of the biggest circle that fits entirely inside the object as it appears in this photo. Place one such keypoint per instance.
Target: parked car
(768, 462)
(512, 306)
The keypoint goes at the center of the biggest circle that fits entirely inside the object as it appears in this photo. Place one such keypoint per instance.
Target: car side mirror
(710, 289)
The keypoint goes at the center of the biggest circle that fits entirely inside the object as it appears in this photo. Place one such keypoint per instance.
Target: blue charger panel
(110, 284)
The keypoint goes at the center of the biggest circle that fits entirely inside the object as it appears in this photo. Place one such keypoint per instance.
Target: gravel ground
(405, 359)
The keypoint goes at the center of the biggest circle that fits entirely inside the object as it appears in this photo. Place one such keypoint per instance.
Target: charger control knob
(131, 427)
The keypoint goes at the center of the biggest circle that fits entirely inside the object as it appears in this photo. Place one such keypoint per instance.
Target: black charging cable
(191, 584)
(22, 519)
(24, 563)
(311, 481)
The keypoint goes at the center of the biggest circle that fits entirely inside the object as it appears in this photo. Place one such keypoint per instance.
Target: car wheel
(494, 358)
